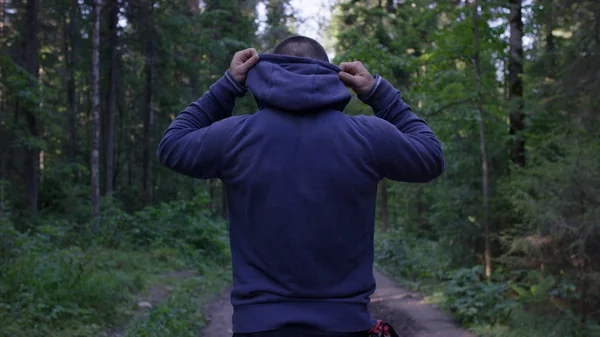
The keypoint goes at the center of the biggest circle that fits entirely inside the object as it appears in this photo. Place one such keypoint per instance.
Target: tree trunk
(482, 146)
(550, 45)
(30, 63)
(383, 205)
(224, 210)
(149, 107)
(515, 73)
(194, 5)
(94, 164)
(112, 97)
(211, 195)
(70, 50)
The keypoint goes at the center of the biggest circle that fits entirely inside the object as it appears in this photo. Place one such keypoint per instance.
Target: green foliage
(180, 315)
(57, 289)
(524, 300)
(407, 257)
(543, 216)
(472, 300)
(56, 279)
(531, 324)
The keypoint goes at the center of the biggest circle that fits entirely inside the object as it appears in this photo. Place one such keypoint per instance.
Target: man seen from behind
(301, 180)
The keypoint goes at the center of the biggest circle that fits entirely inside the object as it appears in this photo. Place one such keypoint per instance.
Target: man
(301, 180)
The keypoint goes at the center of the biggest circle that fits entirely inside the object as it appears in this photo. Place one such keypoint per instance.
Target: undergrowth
(181, 314)
(59, 278)
(515, 303)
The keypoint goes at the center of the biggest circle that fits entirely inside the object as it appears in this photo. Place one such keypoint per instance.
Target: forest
(507, 241)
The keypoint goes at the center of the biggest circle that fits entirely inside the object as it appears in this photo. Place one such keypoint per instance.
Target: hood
(297, 84)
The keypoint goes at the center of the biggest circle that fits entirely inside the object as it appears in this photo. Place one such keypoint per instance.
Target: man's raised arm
(408, 150)
(195, 141)
(405, 147)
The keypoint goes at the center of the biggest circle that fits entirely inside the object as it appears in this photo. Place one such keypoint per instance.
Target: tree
(148, 103)
(112, 96)
(70, 55)
(30, 64)
(482, 146)
(278, 23)
(95, 152)
(515, 82)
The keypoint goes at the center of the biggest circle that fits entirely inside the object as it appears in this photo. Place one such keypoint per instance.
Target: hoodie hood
(297, 84)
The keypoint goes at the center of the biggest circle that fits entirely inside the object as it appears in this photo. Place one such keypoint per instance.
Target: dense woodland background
(507, 240)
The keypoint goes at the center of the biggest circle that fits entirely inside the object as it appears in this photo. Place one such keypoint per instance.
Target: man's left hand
(242, 62)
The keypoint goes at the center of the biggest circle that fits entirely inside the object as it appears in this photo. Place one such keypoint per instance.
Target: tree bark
(95, 164)
(482, 146)
(515, 73)
(383, 205)
(149, 107)
(112, 97)
(194, 6)
(70, 50)
(550, 45)
(30, 63)
(224, 209)
(211, 195)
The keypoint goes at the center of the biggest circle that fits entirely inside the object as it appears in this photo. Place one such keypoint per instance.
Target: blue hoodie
(301, 180)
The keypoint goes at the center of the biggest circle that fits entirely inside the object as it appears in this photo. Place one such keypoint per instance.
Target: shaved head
(301, 46)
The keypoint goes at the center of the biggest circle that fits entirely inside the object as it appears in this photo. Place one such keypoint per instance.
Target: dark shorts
(301, 331)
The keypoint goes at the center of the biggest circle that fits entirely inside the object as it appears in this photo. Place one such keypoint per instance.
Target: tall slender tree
(112, 96)
(515, 80)
(70, 56)
(95, 153)
(30, 64)
(482, 145)
(149, 104)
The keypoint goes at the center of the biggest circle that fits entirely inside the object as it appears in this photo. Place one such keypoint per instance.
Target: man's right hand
(242, 62)
(356, 77)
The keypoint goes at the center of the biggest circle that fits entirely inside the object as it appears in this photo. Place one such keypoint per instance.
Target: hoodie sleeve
(195, 142)
(405, 147)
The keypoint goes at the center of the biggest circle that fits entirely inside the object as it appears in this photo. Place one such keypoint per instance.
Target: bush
(60, 277)
(178, 316)
(52, 290)
(473, 300)
(410, 258)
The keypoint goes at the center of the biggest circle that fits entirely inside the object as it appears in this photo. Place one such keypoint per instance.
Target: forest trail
(410, 315)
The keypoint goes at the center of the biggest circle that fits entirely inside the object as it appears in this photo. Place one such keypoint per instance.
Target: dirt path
(405, 310)
(409, 314)
(154, 295)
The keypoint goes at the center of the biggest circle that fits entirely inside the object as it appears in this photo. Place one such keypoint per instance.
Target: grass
(78, 293)
(62, 279)
(181, 314)
(464, 294)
